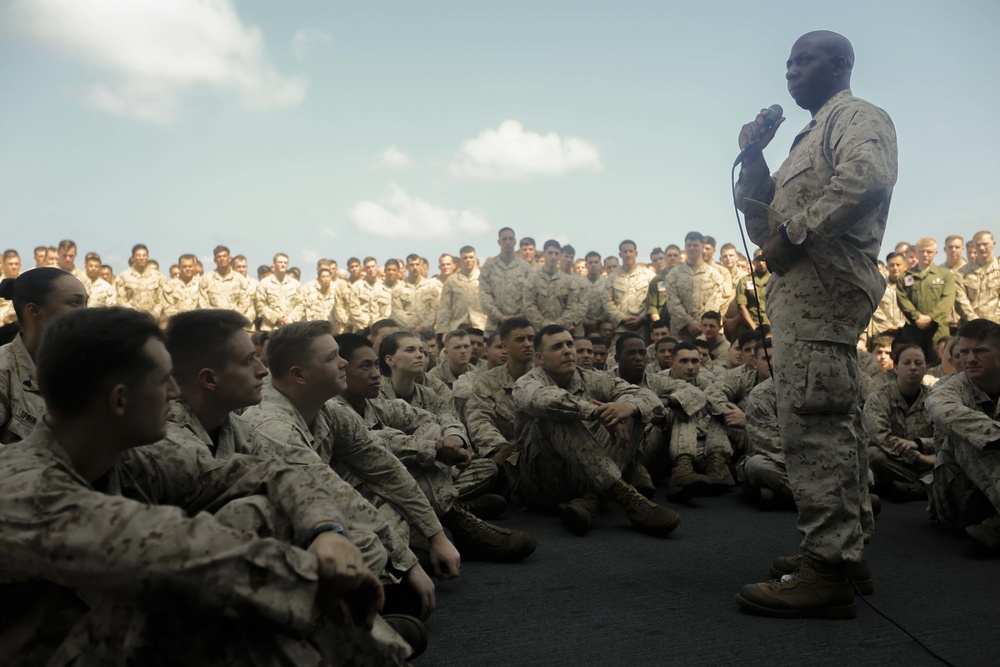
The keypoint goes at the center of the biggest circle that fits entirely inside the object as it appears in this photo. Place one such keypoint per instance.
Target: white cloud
(509, 152)
(401, 216)
(393, 158)
(152, 53)
(304, 38)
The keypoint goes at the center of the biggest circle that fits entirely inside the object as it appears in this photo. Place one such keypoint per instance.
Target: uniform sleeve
(616, 312)
(906, 306)
(679, 317)
(755, 183)
(486, 289)
(264, 307)
(612, 389)
(864, 152)
(542, 401)
(532, 288)
(962, 302)
(58, 531)
(762, 421)
(948, 407)
(354, 449)
(877, 417)
(480, 412)
(576, 307)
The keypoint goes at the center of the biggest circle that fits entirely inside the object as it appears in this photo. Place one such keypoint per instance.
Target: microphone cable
(767, 355)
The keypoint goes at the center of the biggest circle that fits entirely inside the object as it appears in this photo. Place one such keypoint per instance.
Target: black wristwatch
(325, 528)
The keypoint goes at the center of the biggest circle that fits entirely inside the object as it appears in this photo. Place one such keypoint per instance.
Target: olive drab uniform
(932, 293)
(834, 191)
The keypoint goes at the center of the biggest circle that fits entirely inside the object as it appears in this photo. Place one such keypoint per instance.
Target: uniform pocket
(827, 381)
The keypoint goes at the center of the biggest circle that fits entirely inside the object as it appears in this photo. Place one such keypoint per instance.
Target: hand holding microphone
(757, 134)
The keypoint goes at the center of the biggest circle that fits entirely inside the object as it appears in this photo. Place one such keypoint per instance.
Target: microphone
(774, 112)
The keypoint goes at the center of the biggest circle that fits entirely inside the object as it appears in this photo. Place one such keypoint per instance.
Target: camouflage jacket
(21, 406)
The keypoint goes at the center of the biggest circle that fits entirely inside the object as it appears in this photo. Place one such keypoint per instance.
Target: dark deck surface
(617, 597)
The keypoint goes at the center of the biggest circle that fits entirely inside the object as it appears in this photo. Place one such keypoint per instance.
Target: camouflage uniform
(21, 406)
(341, 317)
(7, 314)
(834, 191)
(932, 293)
(100, 293)
(625, 294)
(316, 304)
(180, 297)
(691, 292)
(275, 300)
(888, 413)
(489, 411)
(733, 387)
(141, 291)
(966, 486)
(501, 288)
(443, 373)
(977, 292)
(134, 569)
(593, 295)
(887, 315)
(764, 464)
(460, 303)
(561, 453)
(231, 291)
(554, 298)
(415, 305)
(411, 434)
(370, 302)
(276, 430)
(428, 396)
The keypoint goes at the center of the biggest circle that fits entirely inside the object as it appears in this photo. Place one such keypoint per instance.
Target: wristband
(326, 528)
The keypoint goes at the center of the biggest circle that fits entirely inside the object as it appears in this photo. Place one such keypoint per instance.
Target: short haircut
(389, 346)
(592, 253)
(684, 345)
(428, 336)
(492, 338)
(665, 341)
(953, 237)
(290, 345)
(727, 246)
(505, 229)
(7, 254)
(627, 336)
(978, 329)
(188, 256)
(466, 249)
(40, 248)
(353, 260)
(569, 250)
(198, 338)
(66, 244)
(660, 324)
(240, 258)
(698, 342)
(446, 254)
(763, 344)
(92, 346)
(747, 337)
(672, 247)
(391, 262)
(386, 323)
(709, 240)
(527, 240)
(350, 343)
(551, 243)
(896, 353)
(511, 324)
(218, 249)
(411, 257)
(370, 259)
(893, 255)
(456, 333)
(926, 242)
(32, 286)
(694, 236)
(880, 341)
(277, 255)
(712, 315)
(139, 246)
(656, 251)
(547, 330)
(473, 331)
(626, 242)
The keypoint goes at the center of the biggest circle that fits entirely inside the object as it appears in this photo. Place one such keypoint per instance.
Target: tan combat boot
(642, 481)
(644, 514)
(684, 481)
(815, 590)
(578, 514)
(718, 473)
(476, 539)
(860, 572)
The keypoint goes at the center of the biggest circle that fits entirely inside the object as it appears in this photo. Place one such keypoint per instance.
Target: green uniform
(930, 292)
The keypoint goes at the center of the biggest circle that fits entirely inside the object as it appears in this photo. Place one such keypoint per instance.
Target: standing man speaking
(833, 193)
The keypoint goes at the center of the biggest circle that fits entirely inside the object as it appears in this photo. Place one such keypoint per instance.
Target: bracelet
(325, 528)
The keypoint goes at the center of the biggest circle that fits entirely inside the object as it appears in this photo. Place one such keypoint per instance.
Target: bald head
(818, 68)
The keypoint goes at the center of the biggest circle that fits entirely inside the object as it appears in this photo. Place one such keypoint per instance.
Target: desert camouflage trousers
(965, 486)
(756, 471)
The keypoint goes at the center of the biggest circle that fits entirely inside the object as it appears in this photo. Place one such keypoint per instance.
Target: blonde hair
(926, 242)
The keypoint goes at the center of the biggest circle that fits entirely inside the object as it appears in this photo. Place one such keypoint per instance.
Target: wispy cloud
(401, 216)
(152, 54)
(509, 152)
(393, 159)
(303, 39)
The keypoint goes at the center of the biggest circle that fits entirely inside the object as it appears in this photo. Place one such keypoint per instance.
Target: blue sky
(330, 129)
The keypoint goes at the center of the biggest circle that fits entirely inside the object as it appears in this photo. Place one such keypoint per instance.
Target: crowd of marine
(357, 414)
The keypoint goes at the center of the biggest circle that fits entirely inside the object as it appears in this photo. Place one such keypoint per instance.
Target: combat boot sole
(749, 599)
